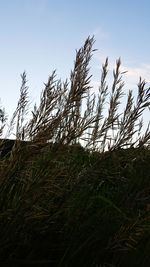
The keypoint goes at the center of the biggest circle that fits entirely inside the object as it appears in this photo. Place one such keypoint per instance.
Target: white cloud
(133, 73)
(131, 77)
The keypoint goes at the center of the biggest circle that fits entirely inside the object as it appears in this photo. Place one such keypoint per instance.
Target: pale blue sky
(41, 35)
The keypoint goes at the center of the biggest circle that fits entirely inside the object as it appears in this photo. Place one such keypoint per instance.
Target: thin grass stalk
(103, 92)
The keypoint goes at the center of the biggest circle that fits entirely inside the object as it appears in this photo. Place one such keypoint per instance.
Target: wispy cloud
(133, 73)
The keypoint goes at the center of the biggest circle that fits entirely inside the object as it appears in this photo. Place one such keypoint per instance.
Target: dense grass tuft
(66, 204)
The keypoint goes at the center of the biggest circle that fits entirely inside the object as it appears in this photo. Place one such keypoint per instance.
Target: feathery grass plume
(18, 120)
(79, 88)
(43, 116)
(116, 93)
(124, 134)
(49, 121)
(80, 79)
(18, 117)
(114, 103)
(61, 106)
(129, 124)
(109, 124)
(103, 92)
(88, 113)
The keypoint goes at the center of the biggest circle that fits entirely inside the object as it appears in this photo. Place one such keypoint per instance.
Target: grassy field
(62, 204)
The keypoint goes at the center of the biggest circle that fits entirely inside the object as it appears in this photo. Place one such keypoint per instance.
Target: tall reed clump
(61, 117)
(57, 199)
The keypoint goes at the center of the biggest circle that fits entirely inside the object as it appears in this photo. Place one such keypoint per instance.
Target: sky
(39, 36)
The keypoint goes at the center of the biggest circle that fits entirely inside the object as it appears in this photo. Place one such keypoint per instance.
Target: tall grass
(60, 116)
(61, 205)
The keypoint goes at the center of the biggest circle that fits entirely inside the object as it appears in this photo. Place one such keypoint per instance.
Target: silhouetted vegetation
(67, 203)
